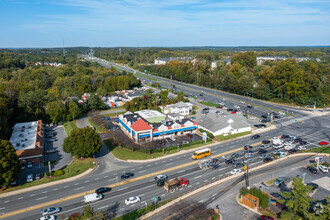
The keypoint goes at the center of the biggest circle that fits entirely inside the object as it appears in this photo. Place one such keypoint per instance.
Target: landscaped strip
(211, 104)
(230, 136)
(325, 149)
(97, 128)
(77, 167)
(126, 153)
(70, 126)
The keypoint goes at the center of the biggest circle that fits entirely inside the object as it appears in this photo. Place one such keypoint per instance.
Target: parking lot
(59, 157)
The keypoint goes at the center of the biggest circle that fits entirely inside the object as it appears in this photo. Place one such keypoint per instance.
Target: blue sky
(137, 23)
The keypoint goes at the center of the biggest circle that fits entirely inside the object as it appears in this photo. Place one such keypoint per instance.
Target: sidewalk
(48, 184)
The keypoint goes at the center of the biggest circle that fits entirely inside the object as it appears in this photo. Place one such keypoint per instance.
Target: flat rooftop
(24, 135)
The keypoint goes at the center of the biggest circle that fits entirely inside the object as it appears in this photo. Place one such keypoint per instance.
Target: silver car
(51, 211)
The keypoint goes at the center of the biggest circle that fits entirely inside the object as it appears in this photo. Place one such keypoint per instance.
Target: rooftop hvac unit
(23, 126)
(17, 144)
(23, 145)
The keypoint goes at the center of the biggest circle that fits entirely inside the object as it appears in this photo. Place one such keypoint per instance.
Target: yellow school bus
(201, 153)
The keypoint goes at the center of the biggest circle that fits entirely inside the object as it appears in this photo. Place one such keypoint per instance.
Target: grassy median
(211, 104)
(77, 166)
(70, 126)
(325, 150)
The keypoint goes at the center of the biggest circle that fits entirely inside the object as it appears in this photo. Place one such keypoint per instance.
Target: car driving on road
(132, 200)
(161, 177)
(234, 171)
(51, 211)
(127, 175)
(256, 136)
(48, 217)
(103, 190)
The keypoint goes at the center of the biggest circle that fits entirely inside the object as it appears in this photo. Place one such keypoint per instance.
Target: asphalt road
(207, 93)
(312, 130)
(224, 195)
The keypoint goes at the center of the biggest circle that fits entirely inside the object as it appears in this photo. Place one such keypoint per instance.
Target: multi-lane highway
(69, 196)
(144, 184)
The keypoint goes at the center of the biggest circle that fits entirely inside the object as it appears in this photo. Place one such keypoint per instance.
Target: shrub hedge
(209, 134)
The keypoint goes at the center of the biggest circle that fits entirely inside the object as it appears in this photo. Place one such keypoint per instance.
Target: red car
(323, 143)
(265, 217)
(234, 112)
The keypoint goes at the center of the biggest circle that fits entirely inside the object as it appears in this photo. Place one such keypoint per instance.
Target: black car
(313, 185)
(229, 161)
(264, 120)
(265, 142)
(103, 190)
(237, 164)
(312, 169)
(297, 140)
(235, 155)
(250, 107)
(262, 125)
(264, 116)
(262, 151)
(256, 136)
(215, 166)
(285, 136)
(276, 116)
(292, 151)
(302, 142)
(246, 147)
(268, 159)
(257, 126)
(230, 109)
(127, 175)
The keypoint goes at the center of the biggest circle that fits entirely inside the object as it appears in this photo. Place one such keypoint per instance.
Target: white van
(92, 197)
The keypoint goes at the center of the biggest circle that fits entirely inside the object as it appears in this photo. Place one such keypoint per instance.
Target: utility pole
(247, 171)
(171, 85)
(50, 170)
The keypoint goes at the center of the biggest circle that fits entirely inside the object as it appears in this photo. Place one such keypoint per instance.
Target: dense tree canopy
(82, 142)
(31, 91)
(9, 163)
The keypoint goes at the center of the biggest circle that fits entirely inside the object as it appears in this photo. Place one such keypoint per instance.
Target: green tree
(82, 142)
(297, 200)
(93, 102)
(73, 111)
(56, 111)
(9, 163)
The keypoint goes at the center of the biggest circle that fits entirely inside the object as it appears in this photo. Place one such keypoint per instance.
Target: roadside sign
(318, 158)
(204, 136)
(155, 199)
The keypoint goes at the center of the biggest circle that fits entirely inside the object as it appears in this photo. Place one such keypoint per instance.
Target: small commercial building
(148, 125)
(181, 108)
(27, 139)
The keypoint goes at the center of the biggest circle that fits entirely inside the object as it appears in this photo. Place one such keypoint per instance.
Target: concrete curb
(148, 215)
(193, 149)
(48, 184)
(252, 210)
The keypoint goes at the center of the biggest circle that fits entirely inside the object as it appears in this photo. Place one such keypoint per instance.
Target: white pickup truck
(276, 141)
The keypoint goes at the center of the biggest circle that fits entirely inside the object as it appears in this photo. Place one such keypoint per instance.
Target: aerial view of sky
(146, 23)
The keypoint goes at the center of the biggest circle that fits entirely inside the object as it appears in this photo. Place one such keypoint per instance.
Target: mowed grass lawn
(209, 104)
(97, 128)
(77, 166)
(70, 126)
(127, 154)
(230, 136)
(325, 149)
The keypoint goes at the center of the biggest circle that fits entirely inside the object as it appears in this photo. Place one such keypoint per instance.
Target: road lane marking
(97, 178)
(103, 207)
(86, 181)
(105, 176)
(55, 189)
(142, 171)
(122, 188)
(20, 197)
(6, 201)
(79, 188)
(117, 184)
(44, 191)
(76, 184)
(2, 208)
(42, 198)
(32, 194)
(168, 164)
(65, 186)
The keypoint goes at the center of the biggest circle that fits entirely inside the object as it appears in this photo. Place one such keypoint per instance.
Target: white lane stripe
(76, 184)
(97, 178)
(79, 188)
(2, 208)
(105, 176)
(122, 209)
(42, 198)
(32, 194)
(197, 177)
(142, 171)
(6, 201)
(103, 207)
(168, 164)
(20, 197)
(55, 189)
(122, 188)
(44, 191)
(65, 186)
